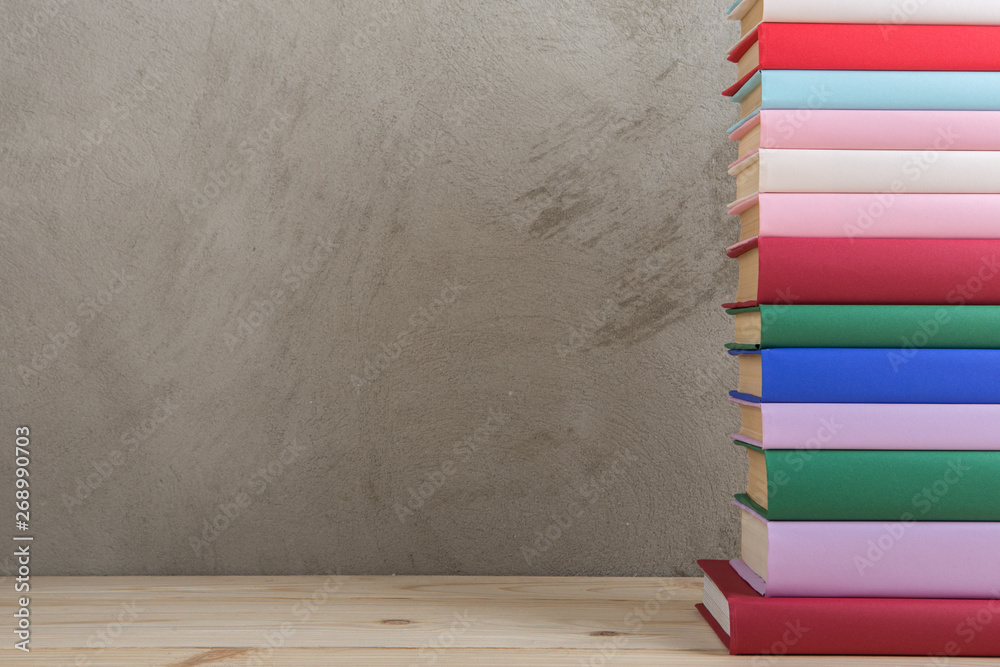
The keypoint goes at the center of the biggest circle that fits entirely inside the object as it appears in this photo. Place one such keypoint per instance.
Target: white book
(897, 172)
(884, 12)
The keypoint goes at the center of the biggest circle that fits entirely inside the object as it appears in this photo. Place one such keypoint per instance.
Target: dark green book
(873, 485)
(907, 328)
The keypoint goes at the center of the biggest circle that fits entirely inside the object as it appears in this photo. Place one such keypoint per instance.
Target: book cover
(840, 89)
(904, 558)
(874, 215)
(888, 12)
(880, 129)
(907, 328)
(908, 426)
(872, 271)
(849, 626)
(876, 485)
(842, 46)
(895, 171)
(871, 375)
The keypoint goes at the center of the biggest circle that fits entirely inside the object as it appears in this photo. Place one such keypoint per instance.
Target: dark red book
(837, 46)
(867, 271)
(845, 626)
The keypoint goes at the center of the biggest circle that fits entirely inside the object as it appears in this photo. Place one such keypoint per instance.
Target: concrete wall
(368, 287)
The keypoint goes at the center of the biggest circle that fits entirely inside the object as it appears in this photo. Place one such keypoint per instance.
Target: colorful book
(845, 89)
(867, 271)
(904, 327)
(889, 13)
(903, 558)
(863, 129)
(872, 485)
(838, 46)
(898, 172)
(907, 426)
(867, 375)
(869, 215)
(748, 623)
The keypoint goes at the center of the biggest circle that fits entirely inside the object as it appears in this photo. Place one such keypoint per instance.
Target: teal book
(905, 328)
(873, 485)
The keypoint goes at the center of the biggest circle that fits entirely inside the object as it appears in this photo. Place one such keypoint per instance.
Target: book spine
(876, 485)
(864, 129)
(894, 171)
(826, 46)
(865, 375)
(880, 215)
(887, 426)
(906, 328)
(845, 89)
(889, 13)
(878, 271)
(904, 558)
(852, 626)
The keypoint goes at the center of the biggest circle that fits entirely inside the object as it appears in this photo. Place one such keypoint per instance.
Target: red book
(837, 46)
(867, 271)
(845, 626)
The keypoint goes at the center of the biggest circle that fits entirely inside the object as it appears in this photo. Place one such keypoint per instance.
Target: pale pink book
(887, 559)
(875, 215)
(833, 129)
(895, 426)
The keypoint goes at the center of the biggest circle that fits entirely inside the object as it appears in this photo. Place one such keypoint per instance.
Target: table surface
(378, 621)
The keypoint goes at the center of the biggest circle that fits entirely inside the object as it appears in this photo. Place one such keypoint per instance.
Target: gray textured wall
(422, 287)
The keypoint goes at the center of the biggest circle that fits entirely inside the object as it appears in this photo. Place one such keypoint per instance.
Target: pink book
(831, 129)
(895, 426)
(900, 559)
(872, 215)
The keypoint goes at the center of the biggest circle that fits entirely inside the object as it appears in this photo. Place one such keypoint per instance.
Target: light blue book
(848, 89)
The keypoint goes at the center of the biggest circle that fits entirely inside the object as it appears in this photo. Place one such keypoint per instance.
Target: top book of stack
(888, 13)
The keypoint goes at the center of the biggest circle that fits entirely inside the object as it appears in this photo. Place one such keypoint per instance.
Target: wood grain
(364, 620)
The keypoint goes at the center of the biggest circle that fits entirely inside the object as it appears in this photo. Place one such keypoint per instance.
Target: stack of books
(867, 322)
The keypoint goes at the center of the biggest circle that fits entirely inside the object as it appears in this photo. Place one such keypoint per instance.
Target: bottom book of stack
(749, 622)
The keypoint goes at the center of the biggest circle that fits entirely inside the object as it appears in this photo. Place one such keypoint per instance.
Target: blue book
(867, 375)
(847, 89)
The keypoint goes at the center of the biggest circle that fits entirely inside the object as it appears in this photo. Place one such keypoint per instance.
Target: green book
(907, 328)
(873, 485)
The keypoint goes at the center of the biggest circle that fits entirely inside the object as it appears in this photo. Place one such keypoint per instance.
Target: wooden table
(376, 621)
